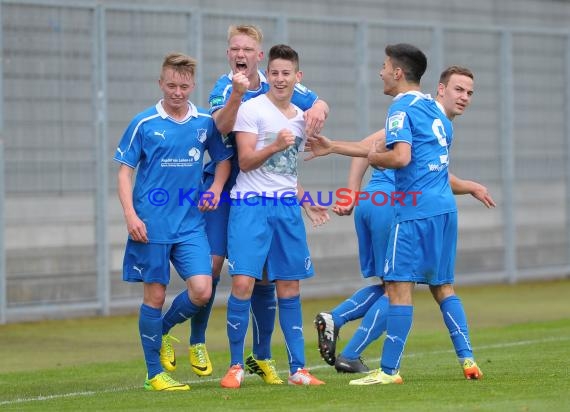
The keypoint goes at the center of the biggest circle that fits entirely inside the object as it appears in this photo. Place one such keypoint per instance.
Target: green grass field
(521, 336)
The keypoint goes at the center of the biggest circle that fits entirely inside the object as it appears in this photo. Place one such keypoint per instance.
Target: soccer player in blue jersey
(243, 82)
(266, 228)
(423, 239)
(373, 226)
(166, 144)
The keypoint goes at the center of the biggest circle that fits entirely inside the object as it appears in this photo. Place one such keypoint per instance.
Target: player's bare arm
(211, 199)
(400, 156)
(358, 167)
(319, 145)
(477, 190)
(135, 226)
(251, 159)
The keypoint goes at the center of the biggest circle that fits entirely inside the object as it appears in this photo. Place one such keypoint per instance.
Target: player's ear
(299, 76)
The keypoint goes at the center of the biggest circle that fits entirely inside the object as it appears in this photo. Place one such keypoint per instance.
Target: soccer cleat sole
(327, 347)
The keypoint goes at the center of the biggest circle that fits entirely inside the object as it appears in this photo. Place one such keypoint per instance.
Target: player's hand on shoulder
(314, 120)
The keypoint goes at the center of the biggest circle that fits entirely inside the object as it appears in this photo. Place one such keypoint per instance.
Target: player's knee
(201, 297)
(242, 287)
(442, 292)
(155, 299)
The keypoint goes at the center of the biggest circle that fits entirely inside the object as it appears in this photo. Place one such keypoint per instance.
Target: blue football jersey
(416, 119)
(303, 98)
(381, 180)
(169, 156)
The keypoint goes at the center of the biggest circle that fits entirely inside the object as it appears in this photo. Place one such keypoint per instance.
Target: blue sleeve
(130, 146)
(216, 148)
(303, 97)
(398, 128)
(220, 93)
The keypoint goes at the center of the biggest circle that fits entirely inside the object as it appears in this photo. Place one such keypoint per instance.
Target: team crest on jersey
(396, 121)
(308, 263)
(202, 135)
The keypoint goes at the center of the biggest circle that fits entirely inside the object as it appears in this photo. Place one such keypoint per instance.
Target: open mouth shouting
(241, 67)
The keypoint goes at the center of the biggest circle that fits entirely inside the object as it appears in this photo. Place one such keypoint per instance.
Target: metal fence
(73, 75)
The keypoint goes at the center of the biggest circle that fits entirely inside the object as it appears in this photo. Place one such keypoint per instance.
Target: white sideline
(320, 366)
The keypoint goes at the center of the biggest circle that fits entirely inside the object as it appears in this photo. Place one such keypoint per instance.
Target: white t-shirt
(277, 177)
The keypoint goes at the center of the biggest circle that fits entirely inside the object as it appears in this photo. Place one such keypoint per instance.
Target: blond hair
(249, 30)
(182, 64)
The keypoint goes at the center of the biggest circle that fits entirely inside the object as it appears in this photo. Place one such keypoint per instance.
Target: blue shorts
(273, 233)
(423, 250)
(217, 228)
(373, 224)
(150, 262)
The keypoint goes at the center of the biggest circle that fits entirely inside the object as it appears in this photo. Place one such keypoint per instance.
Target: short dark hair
(282, 51)
(410, 59)
(451, 70)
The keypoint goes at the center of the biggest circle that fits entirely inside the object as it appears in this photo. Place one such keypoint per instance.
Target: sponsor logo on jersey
(216, 101)
(194, 154)
(161, 134)
(396, 121)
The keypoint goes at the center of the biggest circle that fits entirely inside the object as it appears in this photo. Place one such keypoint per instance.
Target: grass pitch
(520, 333)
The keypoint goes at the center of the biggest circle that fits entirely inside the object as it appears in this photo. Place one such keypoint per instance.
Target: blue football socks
(150, 329)
(291, 322)
(398, 327)
(263, 309)
(356, 306)
(180, 311)
(456, 322)
(371, 328)
(237, 323)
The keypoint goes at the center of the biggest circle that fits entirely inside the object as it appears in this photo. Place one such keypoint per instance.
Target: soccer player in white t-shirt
(266, 227)
(245, 81)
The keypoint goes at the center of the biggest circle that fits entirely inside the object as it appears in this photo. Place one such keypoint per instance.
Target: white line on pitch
(320, 366)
